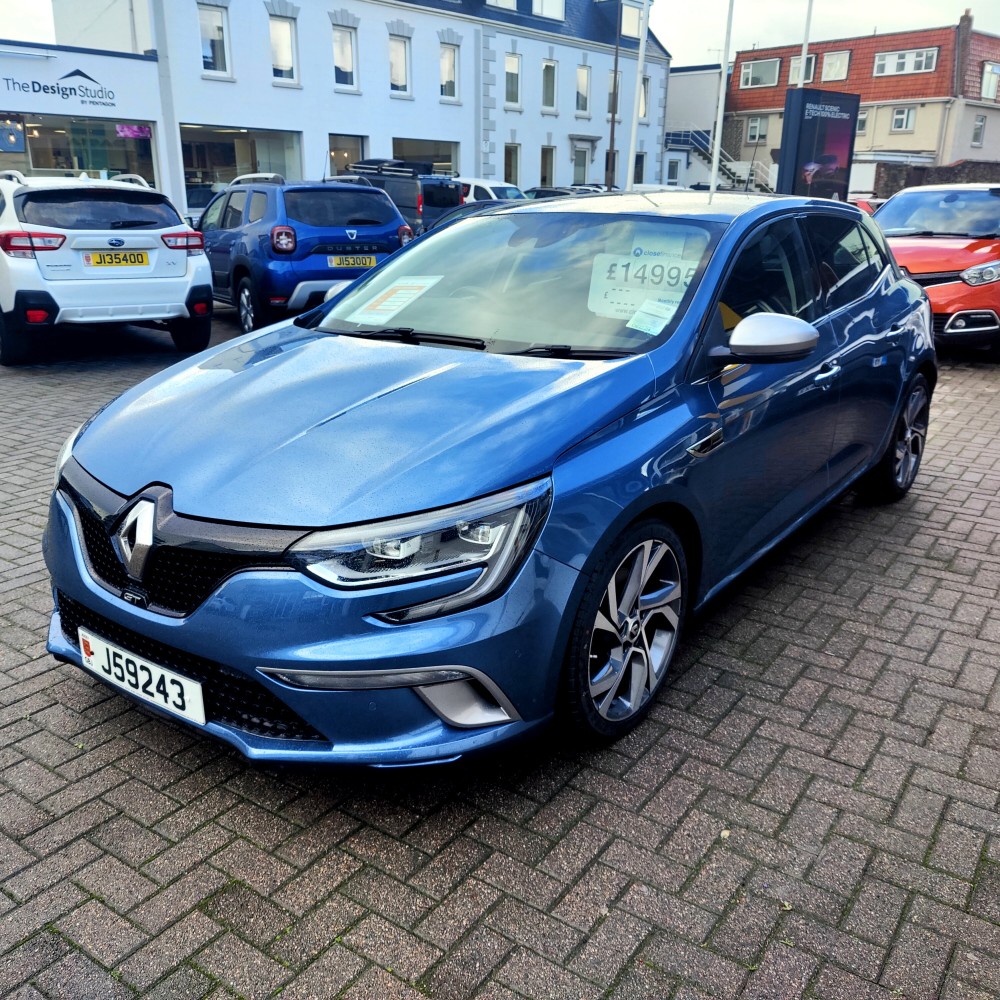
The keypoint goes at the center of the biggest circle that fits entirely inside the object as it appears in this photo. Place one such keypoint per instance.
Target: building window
(449, 72)
(630, 21)
(345, 150)
(548, 85)
(610, 162)
(511, 162)
(214, 40)
(795, 64)
(903, 118)
(644, 99)
(862, 126)
(283, 48)
(991, 77)
(757, 129)
(836, 65)
(910, 61)
(548, 170)
(512, 68)
(581, 160)
(673, 171)
(583, 90)
(345, 57)
(614, 92)
(639, 171)
(978, 129)
(505, 4)
(399, 64)
(549, 8)
(760, 73)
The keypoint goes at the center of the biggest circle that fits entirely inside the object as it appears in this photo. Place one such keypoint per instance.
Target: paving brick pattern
(809, 811)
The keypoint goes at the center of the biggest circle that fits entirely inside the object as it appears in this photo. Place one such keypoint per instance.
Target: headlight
(982, 274)
(64, 452)
(491, 534)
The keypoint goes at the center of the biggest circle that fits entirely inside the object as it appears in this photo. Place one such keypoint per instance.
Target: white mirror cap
(772, 333)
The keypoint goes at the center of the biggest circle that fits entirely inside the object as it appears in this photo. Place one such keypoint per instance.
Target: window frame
(352, 37)
(552, 64)
(746, 73)
(638, 20)
(754, 135)
(825, 76)
(909, 119)
(515, 58)
(978, 128)
(861, 125)
(540, 9)
(514, 148)
(585, 110)
(905, 62)
(223, 15)
(273, 20)
(989, 93)
(644, 99)
(547, 153)
(407, 89)
(455, 97)
(794, 63)
(502, 4)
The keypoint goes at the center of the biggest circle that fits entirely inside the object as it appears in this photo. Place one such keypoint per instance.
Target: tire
(15, 346)
(626, 632)
(253, 314)
(892, 478)
(192, 334)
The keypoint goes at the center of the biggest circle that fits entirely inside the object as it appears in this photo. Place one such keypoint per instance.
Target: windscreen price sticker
(385, 306)
(624, 287)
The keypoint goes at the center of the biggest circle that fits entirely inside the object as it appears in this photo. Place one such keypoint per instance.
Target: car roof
(12, 186)
(951, 187)
(695, 204)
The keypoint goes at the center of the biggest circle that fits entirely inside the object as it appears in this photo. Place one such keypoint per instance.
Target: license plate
(147, 681)
(365, 260)
(116, 258)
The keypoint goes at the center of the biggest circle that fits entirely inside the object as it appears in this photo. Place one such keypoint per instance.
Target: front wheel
(192, 334)
(892, 478)
(626, 631)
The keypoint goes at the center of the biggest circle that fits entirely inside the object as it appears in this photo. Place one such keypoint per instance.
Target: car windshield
(507, 191)
(527, 281)
(941, 213)
(324, 207)
(95, 208)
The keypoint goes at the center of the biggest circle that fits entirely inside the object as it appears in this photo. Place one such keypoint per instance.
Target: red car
(947, 237)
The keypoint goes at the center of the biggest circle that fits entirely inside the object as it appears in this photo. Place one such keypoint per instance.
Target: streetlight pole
(609, 167)
(633, 135)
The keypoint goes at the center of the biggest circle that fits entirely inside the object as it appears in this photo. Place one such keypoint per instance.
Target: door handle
(707, 444)
(825, 378)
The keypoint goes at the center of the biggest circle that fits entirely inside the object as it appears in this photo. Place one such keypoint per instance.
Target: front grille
(940, 322)
(231, 699)
(177, 578)
(938, 278)
(352, 248)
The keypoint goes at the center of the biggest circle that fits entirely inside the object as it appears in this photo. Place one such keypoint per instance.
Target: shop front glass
(60, 146)
(213, 156)
(443, 156)
(345, 150)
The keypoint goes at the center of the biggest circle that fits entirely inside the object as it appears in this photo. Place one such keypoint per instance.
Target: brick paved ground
(811, 810)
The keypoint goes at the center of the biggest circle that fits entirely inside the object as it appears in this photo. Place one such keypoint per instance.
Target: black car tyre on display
(252, 312)
(192, 334)
(892, 478)
(626, 631)
(15, 348)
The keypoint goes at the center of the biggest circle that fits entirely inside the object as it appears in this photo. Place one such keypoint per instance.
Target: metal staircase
(750, 175)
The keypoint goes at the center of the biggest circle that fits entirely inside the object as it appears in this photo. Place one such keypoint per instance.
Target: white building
(190, 93)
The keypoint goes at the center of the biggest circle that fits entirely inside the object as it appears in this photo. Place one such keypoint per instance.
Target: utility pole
(609, 167)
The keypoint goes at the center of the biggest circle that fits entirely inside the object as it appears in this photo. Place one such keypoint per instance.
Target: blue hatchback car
(277, 247)
(486, 484)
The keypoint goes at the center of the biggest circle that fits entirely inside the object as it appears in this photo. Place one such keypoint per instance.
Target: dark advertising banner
(817, 143)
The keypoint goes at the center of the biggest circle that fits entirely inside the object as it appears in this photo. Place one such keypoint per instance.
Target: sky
(693, 40)
(698, 38)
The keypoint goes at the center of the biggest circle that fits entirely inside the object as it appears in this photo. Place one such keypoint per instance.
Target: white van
(480, 189)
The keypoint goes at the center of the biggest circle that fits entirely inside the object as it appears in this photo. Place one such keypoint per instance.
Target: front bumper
(282, 622)
(965, 315)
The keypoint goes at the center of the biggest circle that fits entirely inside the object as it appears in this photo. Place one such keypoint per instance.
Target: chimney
(963, 40)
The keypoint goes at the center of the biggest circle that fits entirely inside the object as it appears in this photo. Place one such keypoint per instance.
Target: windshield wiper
(930, 232)
(133, 223)
(566, 351)
(408, 335)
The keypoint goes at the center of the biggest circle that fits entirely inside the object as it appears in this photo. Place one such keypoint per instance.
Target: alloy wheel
(911, 437)
(635, 630)
(246, 308)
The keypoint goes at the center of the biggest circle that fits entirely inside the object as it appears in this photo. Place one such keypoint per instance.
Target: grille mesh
(177, 579)
(231, 699)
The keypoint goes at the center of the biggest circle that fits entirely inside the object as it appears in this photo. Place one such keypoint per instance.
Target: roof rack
(395, 168)
(257, 179)
(12, 175)
(136, 179)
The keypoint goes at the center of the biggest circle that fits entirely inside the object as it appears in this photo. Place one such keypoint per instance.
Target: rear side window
(232, 218)
(846, 267)
(90, 208)
(361, 207)
(258, 206)
(442, 195)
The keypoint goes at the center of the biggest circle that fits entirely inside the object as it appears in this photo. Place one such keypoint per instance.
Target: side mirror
(765, 337)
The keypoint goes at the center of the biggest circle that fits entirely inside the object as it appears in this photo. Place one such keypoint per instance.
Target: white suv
(76, 250)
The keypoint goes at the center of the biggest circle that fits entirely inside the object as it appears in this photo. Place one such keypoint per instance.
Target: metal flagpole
(805, 44)
(723, 80)
(640, 65)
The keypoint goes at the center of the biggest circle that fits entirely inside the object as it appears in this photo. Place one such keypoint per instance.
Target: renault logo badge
(135, 537)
